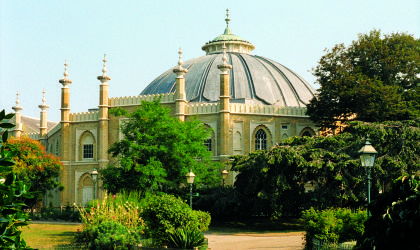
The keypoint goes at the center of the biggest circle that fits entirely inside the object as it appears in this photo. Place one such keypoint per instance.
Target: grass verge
(46, 235)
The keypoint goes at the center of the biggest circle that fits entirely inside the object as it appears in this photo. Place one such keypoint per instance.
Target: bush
(110, 234)
(185, 238)
(333, 225)
(165, 213)
(395, 219)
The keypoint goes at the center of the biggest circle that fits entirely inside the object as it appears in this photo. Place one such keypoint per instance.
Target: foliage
(110, 234)
(12, 190)
(376, 78)
(157, 151)
(333, 225)
(67, 213)
(165, 214)
(185, 238)
(273, 181)
(395, 220)
(117, 216)
(223, 202)
(35, 166)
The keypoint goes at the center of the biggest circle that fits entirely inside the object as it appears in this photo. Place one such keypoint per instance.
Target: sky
(141, 40)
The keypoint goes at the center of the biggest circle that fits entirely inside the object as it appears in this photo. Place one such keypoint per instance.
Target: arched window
(87, 146)
(306, 133)
(260, 140)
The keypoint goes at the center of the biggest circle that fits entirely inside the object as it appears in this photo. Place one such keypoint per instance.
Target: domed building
(250, 103)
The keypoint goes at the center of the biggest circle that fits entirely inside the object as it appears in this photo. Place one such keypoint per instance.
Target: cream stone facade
(244, 114)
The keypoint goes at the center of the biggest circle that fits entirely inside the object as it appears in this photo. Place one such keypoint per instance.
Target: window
(260, 140)
(283, 126)
(88, 151)
(306, 133)
(207, 144)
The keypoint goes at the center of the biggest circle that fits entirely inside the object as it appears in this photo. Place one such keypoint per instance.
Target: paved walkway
(255, 241)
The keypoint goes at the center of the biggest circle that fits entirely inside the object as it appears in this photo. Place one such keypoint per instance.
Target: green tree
(273, 180)
(157, 151)
(374, 79)
(35, 166)
(12, 190)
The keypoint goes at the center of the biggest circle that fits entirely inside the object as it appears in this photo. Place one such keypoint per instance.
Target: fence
(324, 245)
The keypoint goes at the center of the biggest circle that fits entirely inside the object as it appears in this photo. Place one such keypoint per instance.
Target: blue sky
(141, 40)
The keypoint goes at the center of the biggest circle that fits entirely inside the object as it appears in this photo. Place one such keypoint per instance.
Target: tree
(273, 180)
(374, 79)
(12, 190)
(35, 166)
(157, 151)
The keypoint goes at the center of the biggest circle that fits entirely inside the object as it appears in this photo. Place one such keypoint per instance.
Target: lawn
(46, 235)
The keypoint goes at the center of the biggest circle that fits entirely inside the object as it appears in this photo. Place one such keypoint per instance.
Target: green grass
(46, 235)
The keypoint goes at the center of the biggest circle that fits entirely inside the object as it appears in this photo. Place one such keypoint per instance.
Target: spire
(17, 108)
(65, 81)
(179, 70)
(104, 78)
(44, 105)
(224, 67)
(227, 19)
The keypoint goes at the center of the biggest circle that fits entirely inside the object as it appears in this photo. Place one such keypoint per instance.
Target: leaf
(2, 114)
(6, 125)
(9, 116)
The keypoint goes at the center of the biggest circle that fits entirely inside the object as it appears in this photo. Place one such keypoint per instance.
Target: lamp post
(367, 158)
(224, 175)
(94, 175)
(190, 179)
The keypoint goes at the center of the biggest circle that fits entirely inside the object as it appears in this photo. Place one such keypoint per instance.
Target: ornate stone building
(250, 102)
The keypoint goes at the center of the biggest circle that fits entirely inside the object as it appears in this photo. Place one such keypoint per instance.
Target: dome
(253, 79)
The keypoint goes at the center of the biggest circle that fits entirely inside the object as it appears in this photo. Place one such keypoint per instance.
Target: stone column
(65, 197)
(180, 95)
(43, 128)
(103, 142)
(224, 113)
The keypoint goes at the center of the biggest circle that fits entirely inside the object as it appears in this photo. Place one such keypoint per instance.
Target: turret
(17, 131)
(43, 116)
(180, 96)
(103, 116)
(224, 101)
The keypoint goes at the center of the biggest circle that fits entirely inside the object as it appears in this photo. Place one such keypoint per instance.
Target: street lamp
(94, 175)
(224, 175)
(367, 158)
(190, 179)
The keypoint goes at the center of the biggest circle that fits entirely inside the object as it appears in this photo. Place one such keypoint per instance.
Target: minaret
(103, 119)
(17, 131)
(180, 96)
(224, 112)
(65, 197)
(43, 116)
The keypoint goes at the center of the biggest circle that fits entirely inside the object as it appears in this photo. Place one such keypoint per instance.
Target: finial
(65, 81)
(224, 67)
(104, 70)
(17, 108)
(66, 73)
(44, 101)
(44, 105)
(17, 98)
(227, 17)
(179, 70)
(180, 57)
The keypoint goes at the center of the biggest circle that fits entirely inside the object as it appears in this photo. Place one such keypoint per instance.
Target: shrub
(165, 213)
(333, 225)
(110, 234)
(185, 238)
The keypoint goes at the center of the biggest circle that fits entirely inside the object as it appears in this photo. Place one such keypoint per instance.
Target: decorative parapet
(34, 136)
(54, 130)
(84, 116)
(201, 108)
(136, 100)
(267, 110)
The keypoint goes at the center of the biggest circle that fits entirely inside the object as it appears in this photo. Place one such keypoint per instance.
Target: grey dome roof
(253, 79)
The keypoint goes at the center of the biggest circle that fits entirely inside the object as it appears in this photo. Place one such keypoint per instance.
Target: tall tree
(34, 165)
(157, 151)
(374, 79)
